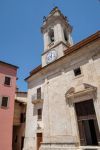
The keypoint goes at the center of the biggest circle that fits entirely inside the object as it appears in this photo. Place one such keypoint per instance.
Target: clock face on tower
(51, 56)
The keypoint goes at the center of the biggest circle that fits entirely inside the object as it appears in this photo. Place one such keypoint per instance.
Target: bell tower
(56, 32)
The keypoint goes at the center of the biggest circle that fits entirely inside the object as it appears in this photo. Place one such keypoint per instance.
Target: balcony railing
(37, 98)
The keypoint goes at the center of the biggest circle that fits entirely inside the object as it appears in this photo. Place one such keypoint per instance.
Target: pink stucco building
(7, 95)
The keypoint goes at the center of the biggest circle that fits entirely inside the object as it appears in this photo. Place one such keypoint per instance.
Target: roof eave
(68, 51)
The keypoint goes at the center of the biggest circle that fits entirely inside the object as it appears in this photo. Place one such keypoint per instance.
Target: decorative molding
(55, 45)
(71, 95)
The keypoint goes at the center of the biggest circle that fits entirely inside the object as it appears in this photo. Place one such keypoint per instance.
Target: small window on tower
(65, 35)
(77, 71)
(51, 35)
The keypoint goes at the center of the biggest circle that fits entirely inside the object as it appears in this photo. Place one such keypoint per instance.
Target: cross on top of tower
(54, 9)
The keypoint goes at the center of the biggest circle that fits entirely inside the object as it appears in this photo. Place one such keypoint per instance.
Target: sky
(21, 41)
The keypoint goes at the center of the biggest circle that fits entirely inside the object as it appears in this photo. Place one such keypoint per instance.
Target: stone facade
(61, 89)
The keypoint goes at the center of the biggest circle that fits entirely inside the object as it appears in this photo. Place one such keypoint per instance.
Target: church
(63, 106)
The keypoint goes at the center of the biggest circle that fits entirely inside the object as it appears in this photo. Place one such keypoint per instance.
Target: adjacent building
(7, 95)
(63, 108)
(19, 120)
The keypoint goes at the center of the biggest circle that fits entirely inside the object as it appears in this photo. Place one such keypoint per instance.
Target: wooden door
(87, 123)
(39, 140)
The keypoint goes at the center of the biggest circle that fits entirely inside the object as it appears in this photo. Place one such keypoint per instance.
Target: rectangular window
(4, 102)
(7, 81)
(22, 117)
(65, 35)
(77, 71)
(16, 139)
(51, 35)
(39, 111)
(39, 93)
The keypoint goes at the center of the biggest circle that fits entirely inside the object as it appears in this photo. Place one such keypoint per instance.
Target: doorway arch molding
(87, 92)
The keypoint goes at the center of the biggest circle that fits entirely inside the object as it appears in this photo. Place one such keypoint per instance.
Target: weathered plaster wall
(6, 115)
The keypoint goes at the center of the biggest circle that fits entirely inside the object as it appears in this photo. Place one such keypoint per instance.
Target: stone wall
(59, 119)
